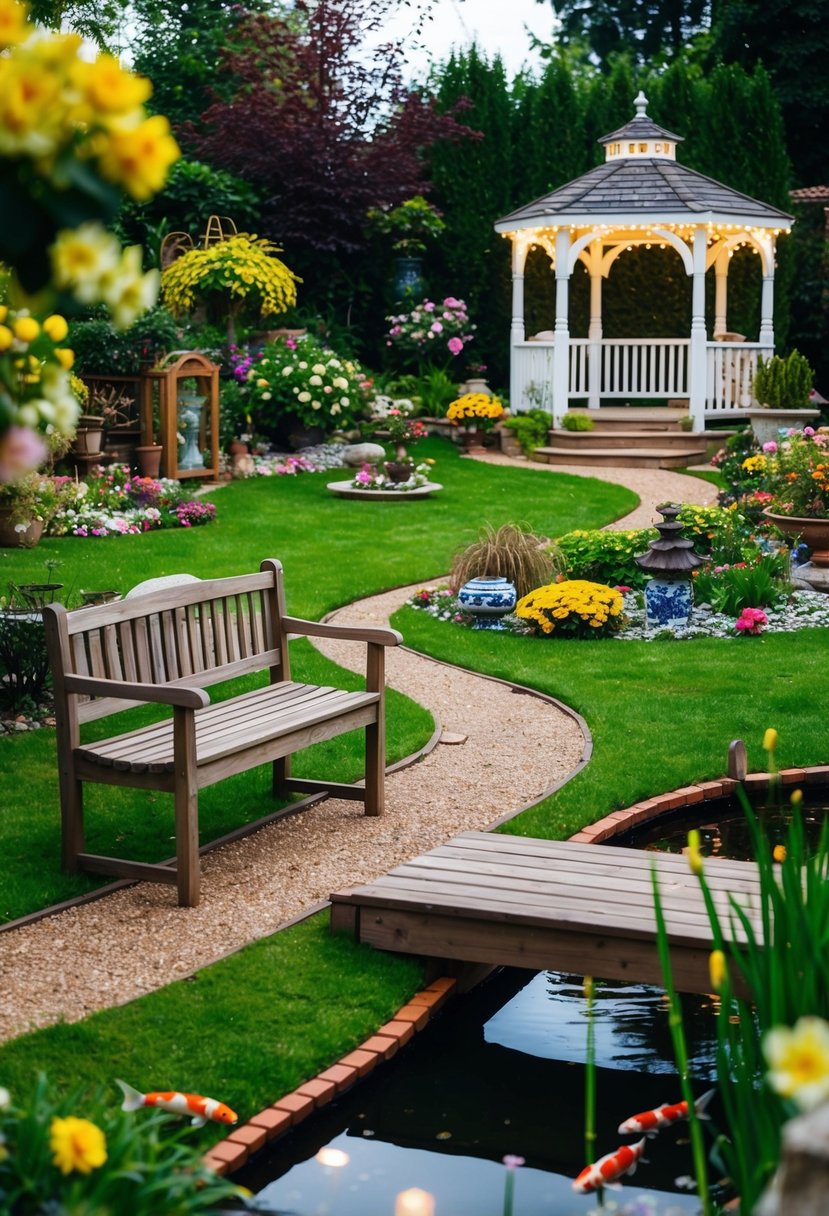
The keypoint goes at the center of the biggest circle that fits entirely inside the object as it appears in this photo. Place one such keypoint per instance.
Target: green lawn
(661, 715)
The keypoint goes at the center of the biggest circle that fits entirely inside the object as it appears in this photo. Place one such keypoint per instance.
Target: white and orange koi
(201, 1109)
(650, 1122)
(606, 1171)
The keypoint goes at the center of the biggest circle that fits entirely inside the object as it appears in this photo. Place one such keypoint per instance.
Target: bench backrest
(195, 634)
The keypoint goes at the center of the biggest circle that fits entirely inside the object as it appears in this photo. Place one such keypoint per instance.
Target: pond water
(502, 1072)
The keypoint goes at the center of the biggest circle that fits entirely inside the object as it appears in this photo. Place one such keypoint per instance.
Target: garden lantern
(180, 397)
(669, 560)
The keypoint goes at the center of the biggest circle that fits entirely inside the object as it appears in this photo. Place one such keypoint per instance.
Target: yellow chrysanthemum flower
(26, 329)
(55, 327)
(78, 1145)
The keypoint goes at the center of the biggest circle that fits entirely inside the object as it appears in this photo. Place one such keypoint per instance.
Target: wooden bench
(165, 647)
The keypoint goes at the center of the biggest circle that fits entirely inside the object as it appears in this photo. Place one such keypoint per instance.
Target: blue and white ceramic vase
(668, 603)
(488, 599)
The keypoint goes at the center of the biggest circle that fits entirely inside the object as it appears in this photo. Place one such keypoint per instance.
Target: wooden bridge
(517, 901)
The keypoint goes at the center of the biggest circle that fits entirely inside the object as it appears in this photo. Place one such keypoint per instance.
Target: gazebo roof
(642, 183)
(636, 190)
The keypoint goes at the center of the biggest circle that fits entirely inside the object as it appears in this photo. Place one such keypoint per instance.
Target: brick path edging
(274, 1121)
(755, 784)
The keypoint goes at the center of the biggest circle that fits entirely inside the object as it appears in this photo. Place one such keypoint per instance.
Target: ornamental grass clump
(512, 552)
(575, 608)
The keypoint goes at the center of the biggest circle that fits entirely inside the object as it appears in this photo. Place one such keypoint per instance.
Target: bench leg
(281, 773)
(186, 795)
(375, 768)
(71, 812)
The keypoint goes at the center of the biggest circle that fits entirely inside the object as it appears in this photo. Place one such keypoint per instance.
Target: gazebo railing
(638, 368)
(730, 371)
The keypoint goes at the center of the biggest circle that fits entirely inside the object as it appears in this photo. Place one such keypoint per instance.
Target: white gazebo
(641, 195)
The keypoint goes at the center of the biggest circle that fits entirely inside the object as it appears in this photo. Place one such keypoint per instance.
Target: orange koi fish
(650, 1122)
(200, 1108)
(606, 1170)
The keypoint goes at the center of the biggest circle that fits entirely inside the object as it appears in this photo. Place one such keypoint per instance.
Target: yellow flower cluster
(53, 102)
(35, 384)
(77, 1145)
(755, 464)
(243, 265)
(475, 405)
(574, 606)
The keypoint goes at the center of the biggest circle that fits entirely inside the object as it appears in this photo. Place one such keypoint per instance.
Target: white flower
(340, 382)
(267, 396)
(286, 371)
(315, 380)
(304, 396)
(798, 1059)
(303, 366)
(81, 257)
(318, 369)
(344, 400)
(316, 405)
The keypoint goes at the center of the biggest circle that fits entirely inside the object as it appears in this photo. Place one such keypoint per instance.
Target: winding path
(137, 939)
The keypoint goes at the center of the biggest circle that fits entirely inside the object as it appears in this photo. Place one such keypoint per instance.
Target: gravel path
(137, 939)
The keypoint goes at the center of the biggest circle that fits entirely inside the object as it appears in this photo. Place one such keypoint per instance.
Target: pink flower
(808, 430)
(436, 327)
(451, 302)
(511, 1161)
(21, 450)
(751, 621)
(455, 345)
(770, 447)
(428, 306)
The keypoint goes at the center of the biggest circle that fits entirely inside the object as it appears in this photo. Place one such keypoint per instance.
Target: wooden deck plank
(498, 899)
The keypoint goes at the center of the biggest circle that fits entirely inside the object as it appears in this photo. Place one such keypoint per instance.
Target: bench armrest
(351, 633)
(164, 694)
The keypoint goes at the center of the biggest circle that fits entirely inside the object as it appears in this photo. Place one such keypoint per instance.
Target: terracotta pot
(813, 532)
(12, 537)
(148, 459)
(88, 441)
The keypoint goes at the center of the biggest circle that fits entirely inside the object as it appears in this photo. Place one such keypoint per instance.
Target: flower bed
(803, 610)
(113, 502)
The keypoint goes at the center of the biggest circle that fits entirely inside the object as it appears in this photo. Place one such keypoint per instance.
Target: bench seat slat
(221, 731)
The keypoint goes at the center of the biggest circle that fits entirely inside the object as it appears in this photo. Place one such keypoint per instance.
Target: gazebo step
(658, 418)
(599, 438)
(654, 458)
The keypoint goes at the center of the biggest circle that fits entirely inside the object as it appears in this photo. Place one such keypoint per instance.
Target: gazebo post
(595, 330)
(517, 334)
(766, 335)
(721, 294)
(561, 354)
(698, 361)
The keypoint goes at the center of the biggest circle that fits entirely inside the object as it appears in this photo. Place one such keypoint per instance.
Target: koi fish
(200, 1108)
(605, 1171)
(650, 1122)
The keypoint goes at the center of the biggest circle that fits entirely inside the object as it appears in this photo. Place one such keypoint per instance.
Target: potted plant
(24, 510)
(412, 223)
(782, 387)
(796, 473)
(401, 430)
(478, 413)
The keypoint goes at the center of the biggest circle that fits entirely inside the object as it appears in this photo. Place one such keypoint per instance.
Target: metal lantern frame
(159, 396)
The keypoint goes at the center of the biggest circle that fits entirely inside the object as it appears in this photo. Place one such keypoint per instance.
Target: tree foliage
(644, 30)
(320, 121)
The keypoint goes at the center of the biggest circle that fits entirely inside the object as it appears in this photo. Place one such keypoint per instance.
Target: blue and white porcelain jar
(488, 599)
(668, 603)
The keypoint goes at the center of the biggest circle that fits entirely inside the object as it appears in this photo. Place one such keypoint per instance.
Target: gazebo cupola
(640, 137)
(641, 196)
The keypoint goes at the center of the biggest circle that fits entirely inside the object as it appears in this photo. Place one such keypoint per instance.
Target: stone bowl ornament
(488, 599)
(669, 560)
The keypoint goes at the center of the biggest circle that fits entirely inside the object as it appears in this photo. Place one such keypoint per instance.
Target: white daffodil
(798, 1059)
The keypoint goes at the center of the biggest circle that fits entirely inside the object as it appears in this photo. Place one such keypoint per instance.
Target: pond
(502, 1072)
